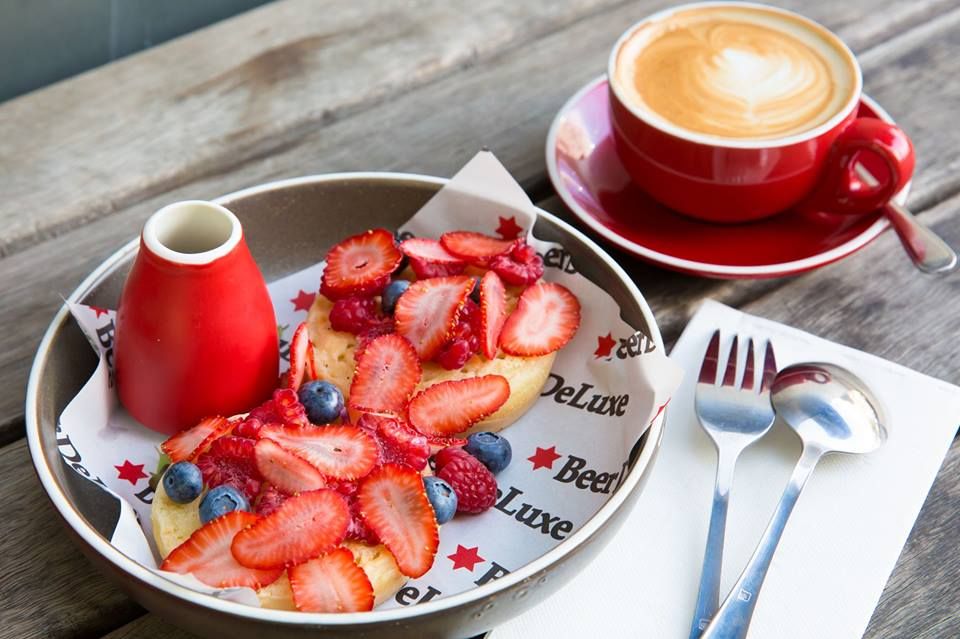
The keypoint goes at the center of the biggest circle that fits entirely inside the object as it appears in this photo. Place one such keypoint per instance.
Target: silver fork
(734, 417)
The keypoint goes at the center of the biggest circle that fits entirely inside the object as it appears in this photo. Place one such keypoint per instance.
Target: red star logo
(544, 457)
(605, 344)
(509, 229)
(131, 472)
(303, 301)
(99, 311)
(466, 558)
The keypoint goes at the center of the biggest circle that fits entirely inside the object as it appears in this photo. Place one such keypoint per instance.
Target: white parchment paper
(570, 451)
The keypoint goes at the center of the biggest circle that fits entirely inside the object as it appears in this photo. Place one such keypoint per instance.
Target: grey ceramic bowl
(290, 225)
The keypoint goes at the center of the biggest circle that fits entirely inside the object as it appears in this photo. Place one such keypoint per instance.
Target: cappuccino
(735, 71)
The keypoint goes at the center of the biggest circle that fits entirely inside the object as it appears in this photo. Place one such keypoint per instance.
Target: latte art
(735, 72)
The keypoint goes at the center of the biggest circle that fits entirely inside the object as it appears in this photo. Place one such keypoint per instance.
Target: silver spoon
(833, 412)
(926, 249)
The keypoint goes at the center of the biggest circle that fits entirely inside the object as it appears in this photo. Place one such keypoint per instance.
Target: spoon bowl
(829, 407)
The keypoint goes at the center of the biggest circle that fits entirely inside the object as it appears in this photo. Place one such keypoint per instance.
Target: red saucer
(588, 175)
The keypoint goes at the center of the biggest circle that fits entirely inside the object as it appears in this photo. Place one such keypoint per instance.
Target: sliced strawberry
(493, 312)
(303, 527)
(299, 350)
(387, 372)
(546, 318)
(339, 452)
(427, 312)
(428, 258)
(474, 248)
(437, 444)
(270, 499)
(395, 506)
(331, 583)
(188, 444)
(429, 250)
(283, 408)
(360, 265)
(451, 407)
(206, 554)
(286, 470)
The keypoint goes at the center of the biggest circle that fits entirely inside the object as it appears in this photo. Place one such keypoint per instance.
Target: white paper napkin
(839, 547)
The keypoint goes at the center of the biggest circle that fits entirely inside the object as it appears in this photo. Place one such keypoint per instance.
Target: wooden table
(299, 87)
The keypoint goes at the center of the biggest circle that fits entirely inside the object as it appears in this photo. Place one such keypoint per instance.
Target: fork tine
(708, 370)
(769, 368)
(747, 383)
(730, 376)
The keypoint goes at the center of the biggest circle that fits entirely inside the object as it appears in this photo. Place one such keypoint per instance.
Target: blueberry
(491, 449)
(398, 238)
(183, 482)
(442, 498)
(220, 501)
(323, 401)
(388, 301)
(475, 293)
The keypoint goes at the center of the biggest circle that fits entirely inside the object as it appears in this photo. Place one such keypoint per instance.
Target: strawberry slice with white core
(474, 248)
(394, 505)
(360, 265)
(188, 444)
(299, 351)
(427, 311)
(206, 554)
(493, 312)
(331, 583)
(286, 470)
(429, 250)
(301, 528)
(546, 318)
(387, 373)
(451, 407)
(339, 452)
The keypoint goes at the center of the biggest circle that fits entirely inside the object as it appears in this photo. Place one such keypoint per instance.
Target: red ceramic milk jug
(196, 332)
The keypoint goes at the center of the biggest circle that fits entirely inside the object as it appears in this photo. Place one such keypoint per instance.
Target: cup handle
(887, 153)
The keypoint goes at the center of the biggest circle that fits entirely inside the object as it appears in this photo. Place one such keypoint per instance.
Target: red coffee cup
(736, 179)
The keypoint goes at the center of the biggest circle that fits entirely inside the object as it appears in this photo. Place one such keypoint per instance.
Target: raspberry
(230, 460)
(474, 484)
(465, 338)
(398, 442)
(270, 500)
(355, 314)
(248, 428)
(357, 529)
(521, 266)
(425, 270)
(284, 408)
(401, 444)
(385, 327)
(447, 455)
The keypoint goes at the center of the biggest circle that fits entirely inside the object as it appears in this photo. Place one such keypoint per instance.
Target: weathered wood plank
(149, 627)
(876, 301)
(506, 103)
(244, 88)
(279, 72)
(48, 588)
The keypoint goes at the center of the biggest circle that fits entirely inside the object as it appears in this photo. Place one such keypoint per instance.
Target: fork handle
(708, 597)
(733, 618)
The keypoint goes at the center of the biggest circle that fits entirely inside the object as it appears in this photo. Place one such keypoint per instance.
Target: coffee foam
(736, 72)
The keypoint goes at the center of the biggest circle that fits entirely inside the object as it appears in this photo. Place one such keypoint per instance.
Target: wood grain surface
(298, 87)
